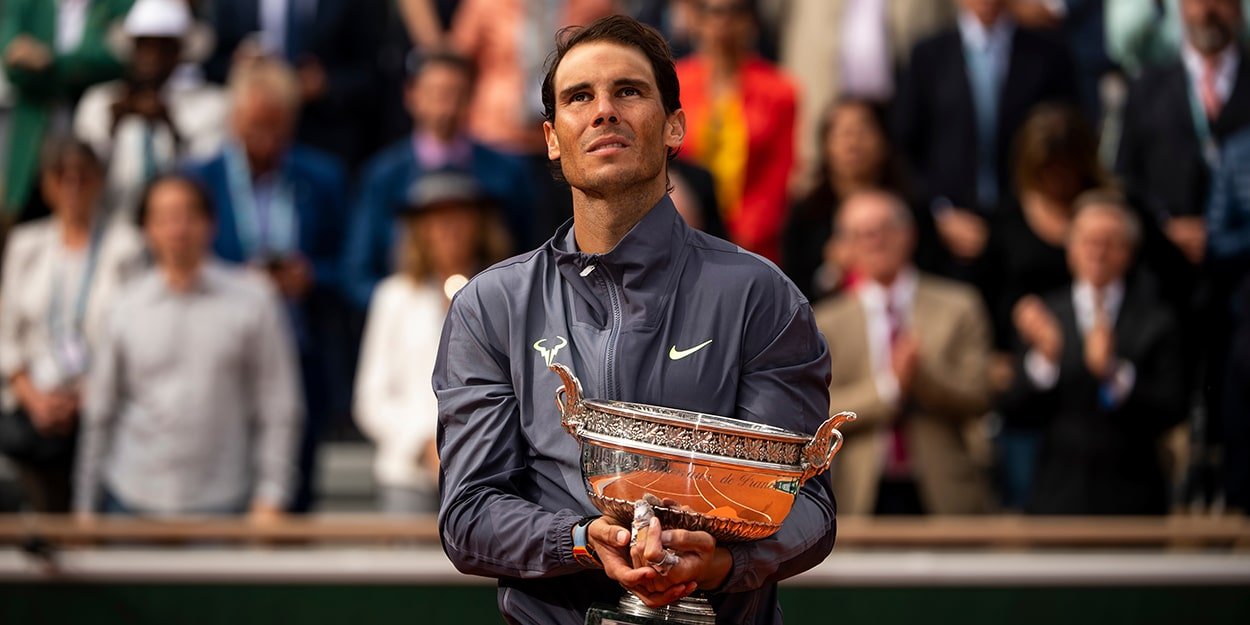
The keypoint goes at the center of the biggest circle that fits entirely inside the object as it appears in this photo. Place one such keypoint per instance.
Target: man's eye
(580, 97)
(630, 91)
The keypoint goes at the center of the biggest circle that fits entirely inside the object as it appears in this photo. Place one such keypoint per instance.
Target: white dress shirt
(395, 404)
(1225, 70)
(876, 300)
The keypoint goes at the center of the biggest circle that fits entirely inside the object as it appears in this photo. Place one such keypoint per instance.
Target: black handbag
(20, 441)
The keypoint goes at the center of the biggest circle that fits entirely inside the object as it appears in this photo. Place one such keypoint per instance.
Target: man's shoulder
(738, 267)
(508, 275)
(316, 164)
(835, 310)
(947, 292)
(394, 158)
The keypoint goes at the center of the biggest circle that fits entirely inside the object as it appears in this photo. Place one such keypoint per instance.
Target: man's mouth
(607, 144)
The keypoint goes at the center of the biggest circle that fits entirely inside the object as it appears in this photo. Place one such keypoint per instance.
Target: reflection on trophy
(733, 479)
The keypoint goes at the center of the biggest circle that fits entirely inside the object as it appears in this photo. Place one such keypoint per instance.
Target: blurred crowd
(1024, 226)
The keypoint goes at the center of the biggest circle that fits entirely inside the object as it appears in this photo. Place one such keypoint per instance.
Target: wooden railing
(1003, 532)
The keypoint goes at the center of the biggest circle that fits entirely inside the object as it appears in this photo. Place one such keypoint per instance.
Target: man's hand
(701, 563)
(26, 52)
(611, 545)
(312, 80)
(1038, 328)
(904, 359)
(292, 276)
(264, 512)
(1189, 234)
(963, 232)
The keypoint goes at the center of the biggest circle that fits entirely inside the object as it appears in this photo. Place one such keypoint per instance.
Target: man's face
(986, 11)
(610, 129)
(1211, 25)
(72, 187)
(1099, 251)
(154, 60)
(176, 227)
(437, 99)
(723, 24)
(263, 124)
(876, 240)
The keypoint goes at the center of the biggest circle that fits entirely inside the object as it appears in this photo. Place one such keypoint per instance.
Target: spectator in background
(1100, 373)
(331, 44)
(192, 405)
(966, 93)
(1081, 26)
(508, 41)
(1228, 212)
(280, 210)
(60, 275)
(52, 51)
(855, 155)
(437, 98)
(740, 112)
(849, 49)
(910, 360)
(1142, 33)
(145, 122)
(450, 234)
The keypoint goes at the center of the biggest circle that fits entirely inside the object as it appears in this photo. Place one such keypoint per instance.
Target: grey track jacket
(511, 481)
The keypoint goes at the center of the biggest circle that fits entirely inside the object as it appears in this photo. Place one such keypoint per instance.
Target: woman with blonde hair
(450, 233)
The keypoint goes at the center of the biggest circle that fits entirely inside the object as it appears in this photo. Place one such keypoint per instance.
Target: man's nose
(606, 113)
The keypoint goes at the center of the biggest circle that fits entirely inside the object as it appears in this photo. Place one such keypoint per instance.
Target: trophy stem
(687, 611)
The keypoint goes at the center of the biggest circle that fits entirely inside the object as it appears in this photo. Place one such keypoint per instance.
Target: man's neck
(601, 220)
(181, 277)
(75, 232)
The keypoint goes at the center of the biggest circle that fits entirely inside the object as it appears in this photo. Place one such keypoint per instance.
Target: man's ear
(553, 142)
(675, 129)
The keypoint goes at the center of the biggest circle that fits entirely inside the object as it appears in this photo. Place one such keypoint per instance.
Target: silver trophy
(733, 479)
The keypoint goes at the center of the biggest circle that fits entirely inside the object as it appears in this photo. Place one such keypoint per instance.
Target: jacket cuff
(741, 564)
(562, 538)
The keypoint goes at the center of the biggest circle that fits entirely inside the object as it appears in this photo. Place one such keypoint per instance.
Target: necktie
(1210, 99)
(897, 464)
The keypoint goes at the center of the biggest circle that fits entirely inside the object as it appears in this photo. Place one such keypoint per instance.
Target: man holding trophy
(644, 309)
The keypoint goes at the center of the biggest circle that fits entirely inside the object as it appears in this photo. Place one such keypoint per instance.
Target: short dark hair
(418, 60)
(60, 147)
(203, 200)
(626, 31)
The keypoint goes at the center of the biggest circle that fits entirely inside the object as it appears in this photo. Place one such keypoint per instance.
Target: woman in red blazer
(740, 112)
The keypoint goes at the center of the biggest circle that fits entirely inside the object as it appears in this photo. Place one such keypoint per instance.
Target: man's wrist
(718, 571)
(583, 551)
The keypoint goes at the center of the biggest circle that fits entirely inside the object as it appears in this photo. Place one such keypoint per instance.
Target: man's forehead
(602, 61)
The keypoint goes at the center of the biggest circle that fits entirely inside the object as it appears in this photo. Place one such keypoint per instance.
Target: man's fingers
(653, 550)
(607, 533)
(656, 600)
(685, 540)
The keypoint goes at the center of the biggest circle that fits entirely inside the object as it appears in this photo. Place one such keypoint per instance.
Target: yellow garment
(723, 151)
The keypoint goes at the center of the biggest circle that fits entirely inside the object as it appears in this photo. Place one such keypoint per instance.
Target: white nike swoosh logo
(678, 354)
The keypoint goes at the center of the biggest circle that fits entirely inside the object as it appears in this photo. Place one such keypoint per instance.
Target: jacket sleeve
(1228, 222)
(486, 528)
(279, 407)
(956, 386)
(787, 385)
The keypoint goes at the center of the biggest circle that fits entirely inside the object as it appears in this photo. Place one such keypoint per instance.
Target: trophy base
(632, 611)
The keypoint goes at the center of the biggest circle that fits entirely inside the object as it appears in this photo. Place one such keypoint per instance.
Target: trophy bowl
(733, 479)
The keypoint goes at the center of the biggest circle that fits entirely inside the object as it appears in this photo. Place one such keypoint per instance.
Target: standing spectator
(60, 275)
(741, 115)
(52, 51)
(910, 360)
(192, 406)
(850, 49)
(1142, 33)
(1228, 213)
(450, 234)
(331, 44)
(1101, 374)
(280, 210)
(437, 98)
(855, 155)
(1081, 26)
(966, 93)
(145, 122)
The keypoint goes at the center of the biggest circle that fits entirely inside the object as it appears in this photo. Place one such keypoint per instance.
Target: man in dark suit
(280, 210)
(332, 44)
(966, 92)
(1100, 373)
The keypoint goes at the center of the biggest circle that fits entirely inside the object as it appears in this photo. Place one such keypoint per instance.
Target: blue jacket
(369, 253)
(1228, 212)
(320, 184)
(511, 480)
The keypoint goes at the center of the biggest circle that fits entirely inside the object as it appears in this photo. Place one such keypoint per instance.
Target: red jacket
(769, 102)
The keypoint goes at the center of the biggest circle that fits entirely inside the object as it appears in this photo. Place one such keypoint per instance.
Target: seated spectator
(61, 273)
(740, 113)
(910, 360)
(192, 405)
(855, 156)
(850, 49)
(966, 93)
(280, 210)
(52, 51)
(437, 97)
(1100, 372)
(450, 234)
(145, 122)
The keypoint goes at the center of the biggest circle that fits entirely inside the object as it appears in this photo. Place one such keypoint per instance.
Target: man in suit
(1100, 372)
(853, 48)
(436, 96)
(910, 359)
(280, 210)
(967, 91)
(52, 51)
(332, 44)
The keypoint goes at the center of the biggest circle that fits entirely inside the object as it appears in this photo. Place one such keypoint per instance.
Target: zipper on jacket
(609, 357)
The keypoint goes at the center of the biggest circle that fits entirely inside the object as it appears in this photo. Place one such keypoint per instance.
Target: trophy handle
(819, 452)
(568, 398)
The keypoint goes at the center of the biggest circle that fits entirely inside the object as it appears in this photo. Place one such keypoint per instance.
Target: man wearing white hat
(146, 123)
